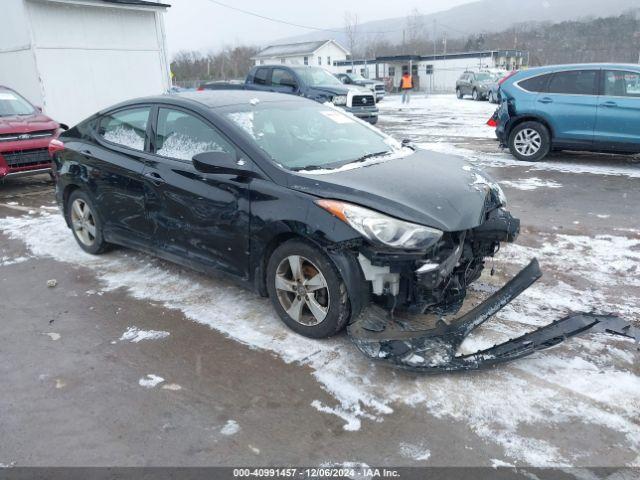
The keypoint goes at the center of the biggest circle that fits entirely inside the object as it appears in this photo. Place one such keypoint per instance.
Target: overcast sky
(202, 25)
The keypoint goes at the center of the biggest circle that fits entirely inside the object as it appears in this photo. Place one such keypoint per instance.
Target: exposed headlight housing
(339, 100)
(502, 198)
(382, 229)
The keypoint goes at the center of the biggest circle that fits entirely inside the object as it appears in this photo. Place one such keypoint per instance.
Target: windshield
(13, 104)
(314, 76)
(355, 76)
(301, 136)
(483, 77)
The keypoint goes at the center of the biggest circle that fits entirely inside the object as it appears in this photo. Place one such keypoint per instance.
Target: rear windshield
(481, 77)
(310, 136)
(13, 104)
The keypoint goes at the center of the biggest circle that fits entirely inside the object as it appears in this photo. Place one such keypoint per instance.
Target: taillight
(492, 122)
(200, 89)
(55, 145)
(507, 76)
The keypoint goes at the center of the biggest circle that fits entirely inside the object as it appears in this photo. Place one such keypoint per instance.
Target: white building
(433, 73)
(75, 57)
(323, 53)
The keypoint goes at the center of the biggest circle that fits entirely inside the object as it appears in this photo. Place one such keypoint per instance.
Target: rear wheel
(85, 223)
(530, 141)
(475, 95)
(306, 290)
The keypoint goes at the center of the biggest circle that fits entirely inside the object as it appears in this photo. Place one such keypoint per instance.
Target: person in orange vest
(406, 85)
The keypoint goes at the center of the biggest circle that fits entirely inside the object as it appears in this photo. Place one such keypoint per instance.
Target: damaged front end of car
(409, 288)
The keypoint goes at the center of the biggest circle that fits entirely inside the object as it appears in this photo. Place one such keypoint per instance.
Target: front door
(570, 102)
(201, 217)
(618, 124)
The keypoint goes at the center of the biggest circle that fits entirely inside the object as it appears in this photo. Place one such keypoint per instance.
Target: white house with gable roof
(323, 53)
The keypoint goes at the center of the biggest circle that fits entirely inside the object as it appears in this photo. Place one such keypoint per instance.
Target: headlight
(339, 100)
(382, 229)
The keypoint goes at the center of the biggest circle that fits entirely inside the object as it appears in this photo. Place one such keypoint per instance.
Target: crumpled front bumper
(409, 346)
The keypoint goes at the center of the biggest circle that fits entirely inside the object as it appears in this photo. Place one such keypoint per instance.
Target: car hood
(340, 90)
(428, 188)
(26, 123)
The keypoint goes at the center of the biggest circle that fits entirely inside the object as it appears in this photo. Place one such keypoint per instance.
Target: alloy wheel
(83, 222)
(302, 290)
(527, 142)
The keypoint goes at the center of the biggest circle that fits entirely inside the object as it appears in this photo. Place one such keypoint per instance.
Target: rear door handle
(154, 178)
(545, 100)
(609, 104)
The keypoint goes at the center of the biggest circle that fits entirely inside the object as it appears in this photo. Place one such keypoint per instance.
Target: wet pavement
(229, 385)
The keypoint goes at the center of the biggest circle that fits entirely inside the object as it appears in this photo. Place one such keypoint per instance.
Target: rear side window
(127, 128)
(574, 82)
(535, 84)
(260, 77)
(182, 135)
(621, 84)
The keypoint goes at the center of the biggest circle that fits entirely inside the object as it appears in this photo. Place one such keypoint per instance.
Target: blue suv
(590, 107)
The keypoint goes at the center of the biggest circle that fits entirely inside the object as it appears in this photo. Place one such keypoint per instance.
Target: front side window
(301, 136)
(621, 84)
(281, 77)
(181, 135)
(13, 104)
(574, 82)
(127, 128)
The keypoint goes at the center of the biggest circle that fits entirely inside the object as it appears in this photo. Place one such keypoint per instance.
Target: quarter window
(182, 135)
(536, 84)
(621, 84)
(574, 82)
(127, 128)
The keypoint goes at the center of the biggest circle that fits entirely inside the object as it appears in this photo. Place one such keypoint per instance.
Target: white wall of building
(328, 53)
(83, 57)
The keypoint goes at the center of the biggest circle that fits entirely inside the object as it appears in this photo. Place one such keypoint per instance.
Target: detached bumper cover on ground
(434, 350)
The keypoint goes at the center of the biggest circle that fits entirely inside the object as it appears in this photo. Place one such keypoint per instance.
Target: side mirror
(289, 84)
(38, 108)
(220, 163)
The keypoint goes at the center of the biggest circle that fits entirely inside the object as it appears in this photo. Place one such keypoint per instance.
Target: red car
(25, 133)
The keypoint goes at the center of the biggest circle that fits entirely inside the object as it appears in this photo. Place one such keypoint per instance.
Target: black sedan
(298, 200)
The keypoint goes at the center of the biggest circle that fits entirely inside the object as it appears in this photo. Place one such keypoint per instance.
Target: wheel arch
(529, 118)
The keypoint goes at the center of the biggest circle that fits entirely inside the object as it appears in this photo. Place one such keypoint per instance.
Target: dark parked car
(314, 83)
(25, 133)
(594, 107)
(293, 198)
(476, 84)
(355, 79)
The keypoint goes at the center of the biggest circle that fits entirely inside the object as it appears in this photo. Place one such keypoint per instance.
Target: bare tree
(351, 31)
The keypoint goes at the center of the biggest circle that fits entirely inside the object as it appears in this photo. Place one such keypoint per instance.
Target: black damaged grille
(362, 100)
(26, 158)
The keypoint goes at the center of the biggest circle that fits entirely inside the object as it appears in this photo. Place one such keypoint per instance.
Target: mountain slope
(478, 17)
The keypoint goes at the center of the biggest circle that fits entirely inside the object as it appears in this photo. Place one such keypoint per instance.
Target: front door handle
(545, 100)
(609, 104)
(155, 178)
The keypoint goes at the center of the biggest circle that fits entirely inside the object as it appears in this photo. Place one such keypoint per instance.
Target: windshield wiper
(368, 156)
(333, 166)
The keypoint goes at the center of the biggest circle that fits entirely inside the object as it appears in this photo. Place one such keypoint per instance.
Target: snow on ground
(230, 428)
(150, 381)
(135, 335)
(438, 115)
(532, 183)
(591, 380)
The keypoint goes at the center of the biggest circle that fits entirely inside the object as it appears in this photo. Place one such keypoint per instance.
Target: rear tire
(475, 95)
(530, 141)
(85, 223)
(306, 290)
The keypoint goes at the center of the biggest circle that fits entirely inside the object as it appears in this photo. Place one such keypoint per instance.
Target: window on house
(319, 60)
(392, 71)
(282, 60)
(306, 60)
(328, 60)
(429, 69)
(261, 62)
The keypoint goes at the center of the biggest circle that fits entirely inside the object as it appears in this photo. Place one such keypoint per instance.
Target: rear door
(114, 171)
(618, 123)
(570, 104)
(203, 218)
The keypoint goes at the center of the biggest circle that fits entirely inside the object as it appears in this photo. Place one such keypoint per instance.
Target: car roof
(579, 66)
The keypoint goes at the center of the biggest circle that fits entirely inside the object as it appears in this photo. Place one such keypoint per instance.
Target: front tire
(306, 290)
(459, 94)
(530, 141)
(85, 223)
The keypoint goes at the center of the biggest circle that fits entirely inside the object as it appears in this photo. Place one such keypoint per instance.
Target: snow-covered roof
(290, 49)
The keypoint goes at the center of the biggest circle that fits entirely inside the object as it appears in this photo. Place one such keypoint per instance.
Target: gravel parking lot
(128, 360)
